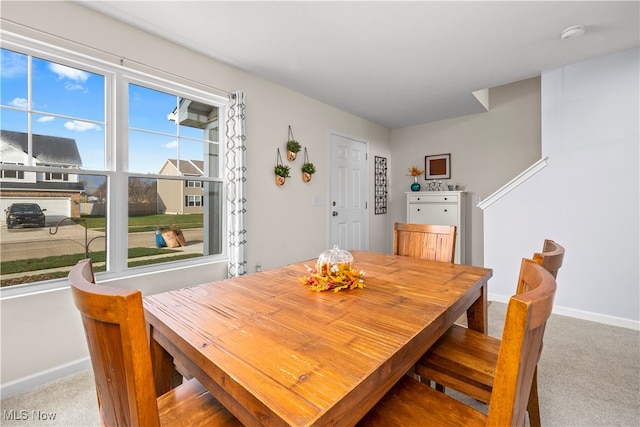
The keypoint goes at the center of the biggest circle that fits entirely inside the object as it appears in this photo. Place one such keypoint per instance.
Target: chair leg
(533, 406)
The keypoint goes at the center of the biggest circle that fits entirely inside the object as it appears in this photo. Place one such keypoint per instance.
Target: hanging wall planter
(281, 171)
(293, 146)
(308, 169)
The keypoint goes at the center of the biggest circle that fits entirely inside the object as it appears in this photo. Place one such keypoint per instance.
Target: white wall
(586, 198)
(41, 334)
(487, 150)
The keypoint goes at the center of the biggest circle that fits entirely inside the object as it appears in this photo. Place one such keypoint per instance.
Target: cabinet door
(433, 213)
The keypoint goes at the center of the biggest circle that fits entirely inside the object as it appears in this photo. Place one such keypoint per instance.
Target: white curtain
(235, 169)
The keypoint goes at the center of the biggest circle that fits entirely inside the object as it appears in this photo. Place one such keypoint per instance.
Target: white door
(349, 186)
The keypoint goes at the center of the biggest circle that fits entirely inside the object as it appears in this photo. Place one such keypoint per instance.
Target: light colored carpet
(589, 375)
(71, 400)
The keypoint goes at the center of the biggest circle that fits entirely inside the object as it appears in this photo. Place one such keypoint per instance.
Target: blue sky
(70, 103)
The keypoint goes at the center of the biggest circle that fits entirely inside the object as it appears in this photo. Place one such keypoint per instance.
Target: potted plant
(293, 147)
(415, 172)
(282, 173)
(308, 169)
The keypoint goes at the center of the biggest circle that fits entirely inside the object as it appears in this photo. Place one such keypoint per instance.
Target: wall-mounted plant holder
(281, 171)
(308, 169)
(293, 146)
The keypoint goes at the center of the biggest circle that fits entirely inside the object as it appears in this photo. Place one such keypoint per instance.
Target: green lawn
(62, 261)
(138, 224)
(57, 261)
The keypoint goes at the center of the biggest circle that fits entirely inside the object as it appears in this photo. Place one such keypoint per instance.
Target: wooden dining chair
(116, 333)
(465, 360)
(425, 241)
(413, 403)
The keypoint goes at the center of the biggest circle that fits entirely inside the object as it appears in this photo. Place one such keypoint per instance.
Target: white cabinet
(439, 208)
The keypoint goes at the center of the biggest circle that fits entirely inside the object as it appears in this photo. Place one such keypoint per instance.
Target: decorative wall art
(437, 167)
(380, 185)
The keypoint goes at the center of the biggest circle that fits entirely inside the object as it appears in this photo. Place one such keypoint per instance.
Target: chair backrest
(524, 326)
(425, 241)
(550, 258)
(116, 334)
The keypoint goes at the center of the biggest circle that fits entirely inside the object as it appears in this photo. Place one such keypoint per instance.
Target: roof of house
(52, 150)
(188, 167)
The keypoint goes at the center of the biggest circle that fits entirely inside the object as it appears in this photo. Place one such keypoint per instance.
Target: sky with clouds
(70, 103)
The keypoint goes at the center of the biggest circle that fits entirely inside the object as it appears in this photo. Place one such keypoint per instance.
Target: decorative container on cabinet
(440, 208)
(416, 185)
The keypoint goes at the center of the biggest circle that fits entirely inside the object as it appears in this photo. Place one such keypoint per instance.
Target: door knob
(334, 213)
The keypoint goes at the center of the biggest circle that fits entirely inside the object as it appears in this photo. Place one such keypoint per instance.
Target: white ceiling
(394, 63)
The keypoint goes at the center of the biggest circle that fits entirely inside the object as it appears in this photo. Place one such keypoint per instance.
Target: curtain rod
(119, 59)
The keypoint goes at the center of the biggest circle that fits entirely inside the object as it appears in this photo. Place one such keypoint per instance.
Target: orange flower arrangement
(414, 171)
(336, 277)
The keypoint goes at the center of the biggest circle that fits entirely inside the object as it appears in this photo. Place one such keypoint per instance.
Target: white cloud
(74, 78)
(80, 126)
(64, 72)
(19, 102)
(172, 144)
(74, 86)
(13, 64)
(46, 119)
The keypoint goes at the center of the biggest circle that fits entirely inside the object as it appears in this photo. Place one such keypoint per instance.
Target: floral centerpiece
(415, 172)
(334, 270)
(338, 277)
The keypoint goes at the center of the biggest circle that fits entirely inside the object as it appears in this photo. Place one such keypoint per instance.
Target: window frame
(197, 200)
(116, 129)
(19, 174)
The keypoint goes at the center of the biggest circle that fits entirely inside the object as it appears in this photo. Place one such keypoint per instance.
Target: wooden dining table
(274, 352)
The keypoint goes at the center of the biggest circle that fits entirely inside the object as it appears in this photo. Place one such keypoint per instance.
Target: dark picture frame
(437, 166)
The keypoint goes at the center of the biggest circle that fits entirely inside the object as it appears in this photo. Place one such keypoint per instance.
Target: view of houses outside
(54, 152)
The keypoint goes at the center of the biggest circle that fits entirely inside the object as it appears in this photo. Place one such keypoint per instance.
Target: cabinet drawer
(435, 198)
(436, 214)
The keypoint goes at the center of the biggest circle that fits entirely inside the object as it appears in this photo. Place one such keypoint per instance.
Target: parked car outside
(25, 214)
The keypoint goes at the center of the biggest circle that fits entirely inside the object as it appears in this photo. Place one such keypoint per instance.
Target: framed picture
(437, 167)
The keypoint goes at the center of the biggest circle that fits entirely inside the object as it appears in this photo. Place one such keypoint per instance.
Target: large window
(107, 183)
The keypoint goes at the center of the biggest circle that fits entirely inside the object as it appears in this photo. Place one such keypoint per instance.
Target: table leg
(477, 318)
(165, 374)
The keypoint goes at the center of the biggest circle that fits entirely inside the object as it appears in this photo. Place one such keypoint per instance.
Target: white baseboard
(580, 314)
(25, 383)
